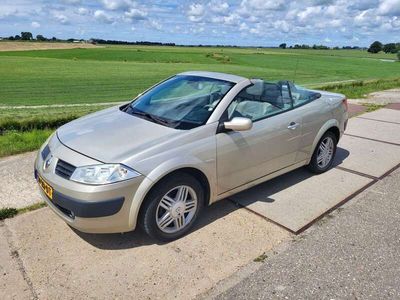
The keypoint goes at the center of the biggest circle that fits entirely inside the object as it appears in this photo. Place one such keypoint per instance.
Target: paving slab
(17, 185)
(382, 131)
(295, 199)
(63, 263)
(383, 115)
(366, 156)
(12, 282)
(353, 254)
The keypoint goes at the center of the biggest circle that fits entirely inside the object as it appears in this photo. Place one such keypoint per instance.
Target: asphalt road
(352, 254)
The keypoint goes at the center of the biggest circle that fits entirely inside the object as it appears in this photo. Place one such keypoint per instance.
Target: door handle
(293, 125)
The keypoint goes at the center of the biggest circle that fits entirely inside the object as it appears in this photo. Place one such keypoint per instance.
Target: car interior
(259, 101)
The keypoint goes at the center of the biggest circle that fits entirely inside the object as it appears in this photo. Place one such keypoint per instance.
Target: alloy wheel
(325, 152)
(176, 209)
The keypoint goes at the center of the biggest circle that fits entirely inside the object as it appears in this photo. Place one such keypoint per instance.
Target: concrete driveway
(41, 257)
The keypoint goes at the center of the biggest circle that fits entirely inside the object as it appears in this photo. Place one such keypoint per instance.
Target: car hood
(112, 136)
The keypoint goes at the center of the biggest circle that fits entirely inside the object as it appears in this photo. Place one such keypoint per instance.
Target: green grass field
(119, 73)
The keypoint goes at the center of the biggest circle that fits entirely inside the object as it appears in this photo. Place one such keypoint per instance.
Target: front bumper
(88, 208)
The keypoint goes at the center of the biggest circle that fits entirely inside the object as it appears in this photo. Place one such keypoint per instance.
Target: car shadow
(341, 155)
(261, 192)
(138, 238)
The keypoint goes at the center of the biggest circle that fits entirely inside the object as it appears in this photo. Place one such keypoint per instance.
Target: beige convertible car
(187, 142)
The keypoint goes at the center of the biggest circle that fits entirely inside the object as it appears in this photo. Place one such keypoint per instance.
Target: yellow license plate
(47, 189)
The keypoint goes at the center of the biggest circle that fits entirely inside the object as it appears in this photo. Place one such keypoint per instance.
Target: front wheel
(172, 207)
(324, 154)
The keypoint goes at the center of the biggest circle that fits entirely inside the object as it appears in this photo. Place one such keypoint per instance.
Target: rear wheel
(172, 207)
(324, 154)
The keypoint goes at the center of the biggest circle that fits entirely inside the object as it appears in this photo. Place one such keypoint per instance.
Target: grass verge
(261, 258)
(38, 123)
(372, 107)
(23, 130)
(25, 119)
(361, 89)
(10, 212)
(32, 207)
(13, 142)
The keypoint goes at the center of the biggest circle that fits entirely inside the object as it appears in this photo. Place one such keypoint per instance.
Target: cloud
(367, 19)
(305, 15)
(82, 11)
(7, 12)
(103, 17)
(246, 22)
(282, 25)
(197, 29)
(135, 14)
(196, 9)
(155, 24)
(232, 19)
(61, 18)
(243, 27)
(363, 5)
(35, 24)
(117, 4)
(263, 4)
(389, 8)
(71, 1)
(220, 8)
(322, 2)
(195, 12)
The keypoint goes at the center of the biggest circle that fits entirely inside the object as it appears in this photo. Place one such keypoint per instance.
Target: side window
(261, 100)
(301, 95)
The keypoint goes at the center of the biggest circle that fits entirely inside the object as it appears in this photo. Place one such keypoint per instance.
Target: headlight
(103, 174)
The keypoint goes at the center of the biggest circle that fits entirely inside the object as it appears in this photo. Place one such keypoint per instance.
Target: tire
(316, 165)
(162, 224)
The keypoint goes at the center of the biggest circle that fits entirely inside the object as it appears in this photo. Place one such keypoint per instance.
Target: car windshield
(181, 102)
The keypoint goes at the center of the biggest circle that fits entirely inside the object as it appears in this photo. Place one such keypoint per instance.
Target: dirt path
(24, 46)
(381, 98)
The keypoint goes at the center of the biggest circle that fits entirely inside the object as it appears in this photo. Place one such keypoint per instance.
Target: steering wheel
(212, 99)
(215, 96)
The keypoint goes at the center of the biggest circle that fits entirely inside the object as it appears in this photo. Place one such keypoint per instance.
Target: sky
(241, 22)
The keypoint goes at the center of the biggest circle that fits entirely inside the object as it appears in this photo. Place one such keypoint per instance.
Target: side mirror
(239, 124)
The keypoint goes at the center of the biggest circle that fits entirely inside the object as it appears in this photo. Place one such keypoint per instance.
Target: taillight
(345, 104)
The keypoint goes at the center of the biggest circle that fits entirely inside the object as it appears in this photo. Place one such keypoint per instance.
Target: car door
(271, 144)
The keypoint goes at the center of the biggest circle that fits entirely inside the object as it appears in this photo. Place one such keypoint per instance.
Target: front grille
(64, 169)
(45, 152)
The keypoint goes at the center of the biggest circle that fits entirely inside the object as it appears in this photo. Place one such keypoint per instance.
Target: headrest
(256, 89)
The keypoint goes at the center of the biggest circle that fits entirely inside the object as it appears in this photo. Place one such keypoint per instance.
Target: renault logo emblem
(47, 162)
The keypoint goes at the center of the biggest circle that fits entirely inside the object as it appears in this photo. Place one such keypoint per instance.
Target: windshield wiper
(153, 118)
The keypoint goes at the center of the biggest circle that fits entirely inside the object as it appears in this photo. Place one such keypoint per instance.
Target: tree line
(377, 47)
(27, 36)
(116, 42)
(304, 46)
